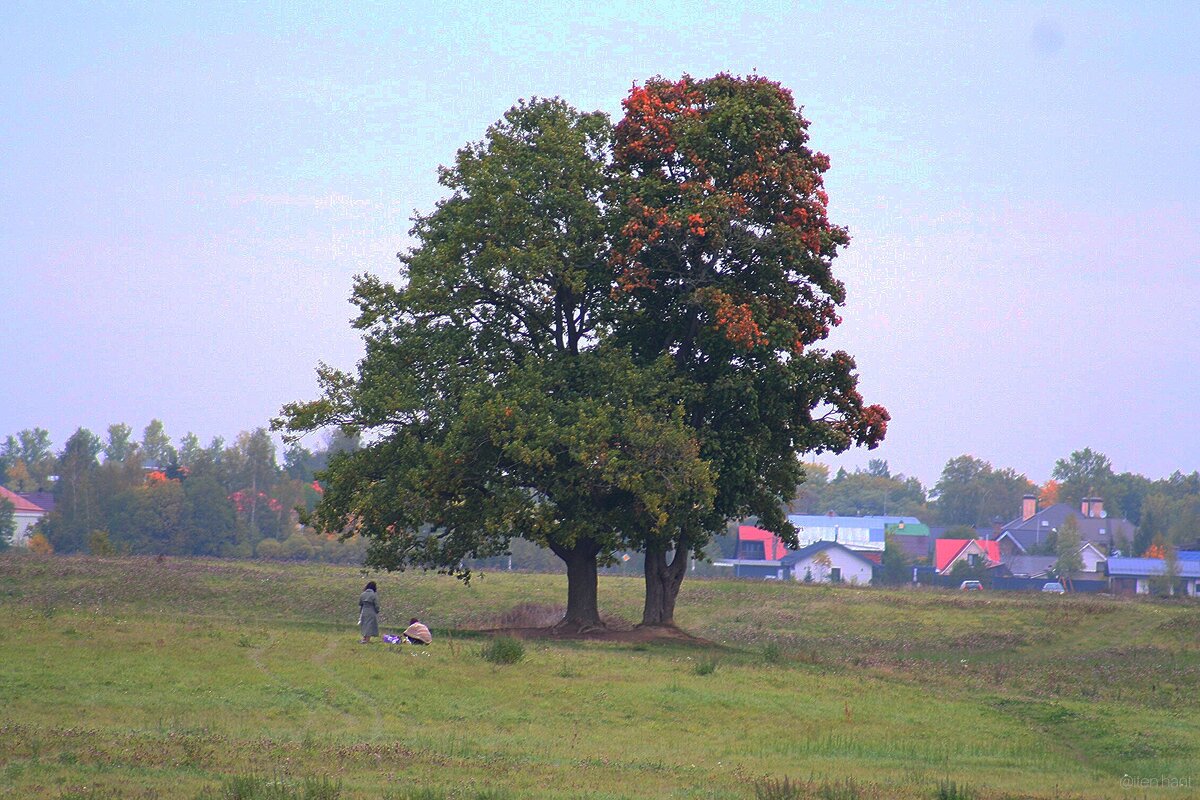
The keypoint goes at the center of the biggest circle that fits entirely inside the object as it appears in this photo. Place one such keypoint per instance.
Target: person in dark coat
(368, 613)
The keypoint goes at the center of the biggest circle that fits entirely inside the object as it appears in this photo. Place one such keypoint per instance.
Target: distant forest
(119, 494)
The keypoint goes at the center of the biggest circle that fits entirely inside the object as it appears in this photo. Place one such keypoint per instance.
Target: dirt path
(637, 635)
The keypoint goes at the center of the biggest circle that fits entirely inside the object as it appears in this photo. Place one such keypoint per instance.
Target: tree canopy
(603, 338)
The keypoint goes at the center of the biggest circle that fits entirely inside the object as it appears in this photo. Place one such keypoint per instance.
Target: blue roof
(823, 521)
(1144, 567)
(1189, 555)
(866, 533)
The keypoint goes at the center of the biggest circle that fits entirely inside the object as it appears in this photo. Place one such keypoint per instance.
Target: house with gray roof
(1034, 529)
(828, 562)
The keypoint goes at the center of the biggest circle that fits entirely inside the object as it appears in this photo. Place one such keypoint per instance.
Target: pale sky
(186, 193)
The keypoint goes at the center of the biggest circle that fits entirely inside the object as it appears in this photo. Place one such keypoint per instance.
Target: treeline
(971, 493)
(119, 494)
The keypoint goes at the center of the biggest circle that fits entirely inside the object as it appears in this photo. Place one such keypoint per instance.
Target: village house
(1036, 529)
(1138, 575)
(866, 535)
(25, 513)
(1042, 566)
(828, 562)
(949, 552)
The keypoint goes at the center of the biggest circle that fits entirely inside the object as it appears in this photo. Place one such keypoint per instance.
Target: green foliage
(971, 492)
(949, 790)
(965, 571)
(1066, 548)
(1085, 473)
(255, 787)
(861, 492)
(847, 789)
(8, 523)
(27, 461)
(120, 444)
(502, 410)
(155, 446)
(422, 793)
(784, 789)
(503, 650)
(705, 666)
(896, 568)
(99, 544)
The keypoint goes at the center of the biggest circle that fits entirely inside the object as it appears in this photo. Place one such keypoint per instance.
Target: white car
(1054, 587)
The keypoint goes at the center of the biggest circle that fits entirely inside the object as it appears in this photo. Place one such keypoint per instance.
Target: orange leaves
(633, 278)
(1048, 496)
(734, 320)
(646, 133)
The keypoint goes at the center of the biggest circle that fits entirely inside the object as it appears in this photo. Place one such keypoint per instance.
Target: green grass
(182, 678)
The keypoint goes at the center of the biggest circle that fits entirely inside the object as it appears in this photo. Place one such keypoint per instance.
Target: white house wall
(1091, 560)
(853, 569)
(25, 520)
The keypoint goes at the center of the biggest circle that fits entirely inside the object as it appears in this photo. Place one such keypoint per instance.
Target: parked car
(971, 586)
(1055, 587)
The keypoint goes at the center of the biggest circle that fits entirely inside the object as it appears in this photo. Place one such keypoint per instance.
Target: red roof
(20, 503)
(946, 550)
(772, 544)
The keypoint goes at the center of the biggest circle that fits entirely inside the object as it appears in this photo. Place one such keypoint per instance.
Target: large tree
(77, 506)
(724, 266)
(600, 343)
(494, 405)
(971, 492)
(1085, 473)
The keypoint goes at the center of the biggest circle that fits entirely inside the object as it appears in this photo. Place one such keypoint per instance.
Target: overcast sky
(186, 193)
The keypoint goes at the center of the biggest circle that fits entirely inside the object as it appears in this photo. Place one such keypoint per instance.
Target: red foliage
(727, 243)
(245, 499)
(706, 192)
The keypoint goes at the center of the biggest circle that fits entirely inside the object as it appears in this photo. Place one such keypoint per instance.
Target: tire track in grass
(281, 686)
(321, 662)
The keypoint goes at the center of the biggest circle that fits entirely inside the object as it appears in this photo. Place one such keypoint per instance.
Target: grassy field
(147, 679)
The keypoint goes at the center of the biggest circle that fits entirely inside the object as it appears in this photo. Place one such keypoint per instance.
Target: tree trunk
(583, 610)
(662, 584)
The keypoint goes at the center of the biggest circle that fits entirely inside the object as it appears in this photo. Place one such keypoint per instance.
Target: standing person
(368, 613)
(417, 633)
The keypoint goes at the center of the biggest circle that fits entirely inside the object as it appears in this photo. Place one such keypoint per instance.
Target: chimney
(1085, 507)
(1097, 507)
(1028, 506)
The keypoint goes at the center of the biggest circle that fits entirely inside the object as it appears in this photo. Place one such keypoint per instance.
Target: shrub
(771, 653)
(840, 790)
(99, 544)
(949, 790)
(38, 543)
(706, 667)
(269, 548)
(253, 787)
(769, 789)
(503, 650)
